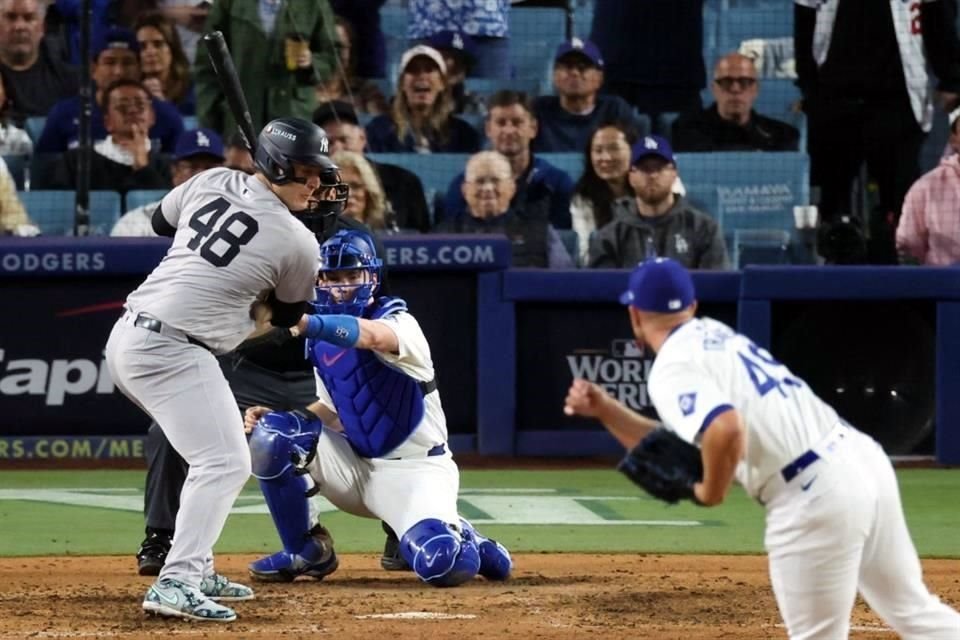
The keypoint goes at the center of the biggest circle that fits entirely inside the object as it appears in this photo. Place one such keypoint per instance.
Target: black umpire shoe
(391, 560)
(153, 551)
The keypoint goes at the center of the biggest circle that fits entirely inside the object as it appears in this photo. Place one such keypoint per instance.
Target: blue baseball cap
(661, 285)
(115, 38)
(205, 142)
(651, 146)
(583, 47)
(452, 40)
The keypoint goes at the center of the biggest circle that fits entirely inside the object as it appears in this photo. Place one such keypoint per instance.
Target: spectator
(114, 58)
(403, 188)
(371, 50)
(196, 151)
(237, 155)
(656, 222)
(281, 49)
(166, 71)
(13, 217)
(567, 119)
(344, 84)
(69, 12)
(872, 103)
(511, 127)
(421, 117)
(485, 20)
(14, 141)
(653, 51)
(730, 123)
(605, 180)
(488, 189)
(929, 230)
(35, 77)
(367, 203)
(459, 54)
(126, 159)
(189, 16)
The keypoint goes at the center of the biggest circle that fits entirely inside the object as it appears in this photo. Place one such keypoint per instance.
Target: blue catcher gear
(438, 554)
(495, 560)
(280, 445)
(353, 252)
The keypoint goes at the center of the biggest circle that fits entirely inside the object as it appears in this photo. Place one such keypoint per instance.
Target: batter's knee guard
(495, 560)
(438, 554)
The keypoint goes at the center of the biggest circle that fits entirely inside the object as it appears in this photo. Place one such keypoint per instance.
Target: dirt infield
(560, 596)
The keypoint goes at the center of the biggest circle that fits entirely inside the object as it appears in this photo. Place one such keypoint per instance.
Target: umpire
(270, 371)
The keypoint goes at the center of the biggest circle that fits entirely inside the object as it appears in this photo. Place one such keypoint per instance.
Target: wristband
(341, 330)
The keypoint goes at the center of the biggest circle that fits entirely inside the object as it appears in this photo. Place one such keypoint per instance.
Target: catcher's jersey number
(219, 244)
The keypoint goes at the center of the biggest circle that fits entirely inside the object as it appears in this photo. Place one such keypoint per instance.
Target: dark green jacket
(271, 90)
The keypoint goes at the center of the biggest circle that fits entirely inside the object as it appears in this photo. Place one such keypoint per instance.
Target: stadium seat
(140, 197)
(19, 169)
(393, 23)
(190, 123)
(571, 163)
(53, 211)
(777, 95)
(760, 246)
(571, 242)
(664, 124)
(745, 23)
(534, 34)
(34, 127)
(436, 170)
(703, 196)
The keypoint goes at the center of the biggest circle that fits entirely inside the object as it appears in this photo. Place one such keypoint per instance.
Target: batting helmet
(348, 250)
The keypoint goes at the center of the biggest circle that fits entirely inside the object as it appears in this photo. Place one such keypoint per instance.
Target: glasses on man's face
(744, 82)
(130, 106)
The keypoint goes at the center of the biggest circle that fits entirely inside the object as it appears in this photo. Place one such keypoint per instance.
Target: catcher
(834, 523)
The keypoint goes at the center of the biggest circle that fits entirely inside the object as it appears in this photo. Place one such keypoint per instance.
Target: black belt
(793, 469)
(152, 324)
(428, 387)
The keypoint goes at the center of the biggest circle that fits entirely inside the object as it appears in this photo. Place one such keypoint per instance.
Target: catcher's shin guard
(495, 560)
(438, 554)
(315, 559)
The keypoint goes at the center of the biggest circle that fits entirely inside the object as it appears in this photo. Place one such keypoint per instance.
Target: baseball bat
(226, 72)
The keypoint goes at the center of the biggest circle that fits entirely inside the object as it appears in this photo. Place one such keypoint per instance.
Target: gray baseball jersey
(234, 239)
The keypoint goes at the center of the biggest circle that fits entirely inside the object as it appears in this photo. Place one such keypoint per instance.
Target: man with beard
(656, 222)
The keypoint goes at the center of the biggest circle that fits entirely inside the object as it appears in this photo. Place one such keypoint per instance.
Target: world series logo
(622, 370)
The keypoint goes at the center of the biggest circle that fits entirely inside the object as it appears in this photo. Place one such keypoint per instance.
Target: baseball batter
(233, 236)
(381, 450)
(834, 522)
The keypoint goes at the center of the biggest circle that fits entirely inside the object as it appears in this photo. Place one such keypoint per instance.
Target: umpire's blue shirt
(62, 128)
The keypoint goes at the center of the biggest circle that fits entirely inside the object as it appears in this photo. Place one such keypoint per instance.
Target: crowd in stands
(576, 166)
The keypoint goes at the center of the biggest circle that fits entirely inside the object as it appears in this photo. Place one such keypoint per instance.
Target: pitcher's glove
(665, 466)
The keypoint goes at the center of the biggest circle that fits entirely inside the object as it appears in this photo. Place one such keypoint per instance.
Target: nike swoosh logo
(174, 601)
(329, 362)
(807, 484)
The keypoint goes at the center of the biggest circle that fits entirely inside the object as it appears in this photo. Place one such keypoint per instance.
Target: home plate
(417, 615)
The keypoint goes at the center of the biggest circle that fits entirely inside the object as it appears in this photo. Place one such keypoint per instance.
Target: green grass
(48, 528)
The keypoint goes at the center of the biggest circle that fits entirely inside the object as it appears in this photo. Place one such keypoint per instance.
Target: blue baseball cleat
(495, 560)
(316, 560)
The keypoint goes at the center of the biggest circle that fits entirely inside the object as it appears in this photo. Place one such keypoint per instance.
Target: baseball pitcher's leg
(166, 473)
(495, 560)
(891, 577)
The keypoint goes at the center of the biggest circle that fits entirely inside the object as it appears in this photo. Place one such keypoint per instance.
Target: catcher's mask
(349, 273)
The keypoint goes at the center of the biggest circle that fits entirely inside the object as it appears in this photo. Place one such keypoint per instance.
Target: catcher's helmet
(348, 250)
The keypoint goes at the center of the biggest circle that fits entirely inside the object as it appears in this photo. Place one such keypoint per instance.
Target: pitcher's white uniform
(834, 520)
(405, 485)
(234, 238)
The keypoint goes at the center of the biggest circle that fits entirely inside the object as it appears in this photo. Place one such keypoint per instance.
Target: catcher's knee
(281, 441)
(438, 554)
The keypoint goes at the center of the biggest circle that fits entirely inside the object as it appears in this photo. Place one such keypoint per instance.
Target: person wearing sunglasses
(730, 123)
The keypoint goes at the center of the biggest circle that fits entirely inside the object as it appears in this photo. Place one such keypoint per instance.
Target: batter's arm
(722, 446)
(588, 399)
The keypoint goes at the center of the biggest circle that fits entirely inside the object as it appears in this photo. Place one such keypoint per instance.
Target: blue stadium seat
(534, 35)
(190, 123)
(18, 166)
(34, 127)
(140, 197)
(664, 124)
(739, 24)
(703, 196)
(393, 23)
(799, 120)
(436, 170)
(760, 246)
(53, 211)
(754, 190)
(777, 95)
(583, 20)
(571, 163)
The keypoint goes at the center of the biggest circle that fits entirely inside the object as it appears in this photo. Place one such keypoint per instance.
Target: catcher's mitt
(665, 466)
